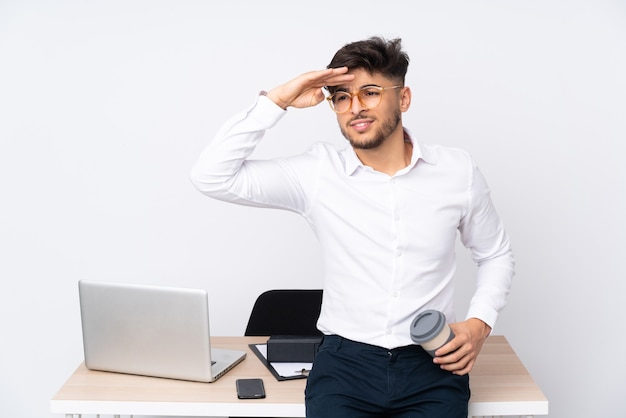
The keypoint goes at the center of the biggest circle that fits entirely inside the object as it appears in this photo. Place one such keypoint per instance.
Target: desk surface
(500, 385)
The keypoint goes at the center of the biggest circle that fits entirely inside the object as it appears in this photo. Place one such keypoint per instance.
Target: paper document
(285, 369)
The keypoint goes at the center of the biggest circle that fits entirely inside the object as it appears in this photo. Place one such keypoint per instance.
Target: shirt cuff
(487, 315)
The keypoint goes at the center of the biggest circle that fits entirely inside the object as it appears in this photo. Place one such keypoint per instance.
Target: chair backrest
(285, 312)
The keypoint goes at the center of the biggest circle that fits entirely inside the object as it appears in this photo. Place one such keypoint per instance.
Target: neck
(390, 157)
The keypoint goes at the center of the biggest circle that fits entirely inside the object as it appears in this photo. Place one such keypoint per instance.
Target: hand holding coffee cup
(430, 330)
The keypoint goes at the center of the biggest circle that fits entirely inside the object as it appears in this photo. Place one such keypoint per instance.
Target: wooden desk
(500, 385)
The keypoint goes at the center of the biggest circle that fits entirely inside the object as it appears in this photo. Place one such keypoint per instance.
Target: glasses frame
(358, 96)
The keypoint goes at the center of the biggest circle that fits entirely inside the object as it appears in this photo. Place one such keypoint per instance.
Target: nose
(355, 105)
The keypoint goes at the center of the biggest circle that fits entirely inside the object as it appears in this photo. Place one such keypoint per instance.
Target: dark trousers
(351, 379)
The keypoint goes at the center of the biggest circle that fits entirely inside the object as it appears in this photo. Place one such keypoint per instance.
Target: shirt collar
(352, 162)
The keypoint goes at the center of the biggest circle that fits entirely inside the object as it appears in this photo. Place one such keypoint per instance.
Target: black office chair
(285, 312)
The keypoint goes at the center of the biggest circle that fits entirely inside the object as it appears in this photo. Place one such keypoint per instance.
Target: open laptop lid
(150, 330)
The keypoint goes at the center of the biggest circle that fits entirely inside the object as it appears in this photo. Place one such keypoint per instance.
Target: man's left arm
(482, 232)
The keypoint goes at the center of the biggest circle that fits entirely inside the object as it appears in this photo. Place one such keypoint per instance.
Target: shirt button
(395, 294)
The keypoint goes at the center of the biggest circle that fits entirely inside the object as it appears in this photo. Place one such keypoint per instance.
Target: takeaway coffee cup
(430, 330)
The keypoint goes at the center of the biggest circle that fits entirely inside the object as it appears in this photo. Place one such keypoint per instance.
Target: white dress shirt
(387, 242)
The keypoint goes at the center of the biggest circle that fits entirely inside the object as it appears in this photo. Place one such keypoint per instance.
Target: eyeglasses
(369, 97)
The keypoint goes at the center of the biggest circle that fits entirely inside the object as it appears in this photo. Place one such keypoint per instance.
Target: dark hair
(374, 55)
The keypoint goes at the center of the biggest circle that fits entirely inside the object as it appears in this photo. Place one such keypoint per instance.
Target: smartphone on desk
(250, 388)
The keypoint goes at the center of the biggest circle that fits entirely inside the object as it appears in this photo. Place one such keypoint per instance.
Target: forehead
(363, 78)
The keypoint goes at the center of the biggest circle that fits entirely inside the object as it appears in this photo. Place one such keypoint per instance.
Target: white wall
(104, 106)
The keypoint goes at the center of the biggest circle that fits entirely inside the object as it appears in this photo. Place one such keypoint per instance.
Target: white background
(104, 106)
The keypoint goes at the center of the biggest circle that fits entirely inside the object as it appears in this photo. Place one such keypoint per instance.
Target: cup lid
(427, 325)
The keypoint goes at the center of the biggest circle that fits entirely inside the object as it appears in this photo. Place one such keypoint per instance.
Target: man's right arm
(223, 170)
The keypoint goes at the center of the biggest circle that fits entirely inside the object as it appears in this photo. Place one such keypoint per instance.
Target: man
(386, 211)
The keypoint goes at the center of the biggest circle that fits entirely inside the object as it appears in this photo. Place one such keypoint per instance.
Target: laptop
(151, 331)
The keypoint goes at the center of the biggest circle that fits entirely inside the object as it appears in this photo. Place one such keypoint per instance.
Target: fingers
(315, 80)
(333, 76)
(459, 355)
(320, 78)
(458, 361)
(305, 90)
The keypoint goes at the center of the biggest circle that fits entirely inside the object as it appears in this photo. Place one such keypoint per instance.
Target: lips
(361, 125)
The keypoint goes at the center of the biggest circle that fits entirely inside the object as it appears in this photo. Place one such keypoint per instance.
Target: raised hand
(306, 89)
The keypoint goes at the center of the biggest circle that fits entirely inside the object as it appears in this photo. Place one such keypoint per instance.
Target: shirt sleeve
(224, 171)
(483, 233)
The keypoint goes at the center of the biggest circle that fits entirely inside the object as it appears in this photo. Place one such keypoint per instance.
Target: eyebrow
(360, 88)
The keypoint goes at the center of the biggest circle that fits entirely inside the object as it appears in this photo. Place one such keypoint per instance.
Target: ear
(405, 99)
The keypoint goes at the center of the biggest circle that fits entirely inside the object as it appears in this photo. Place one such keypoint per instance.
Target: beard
(379, 137)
